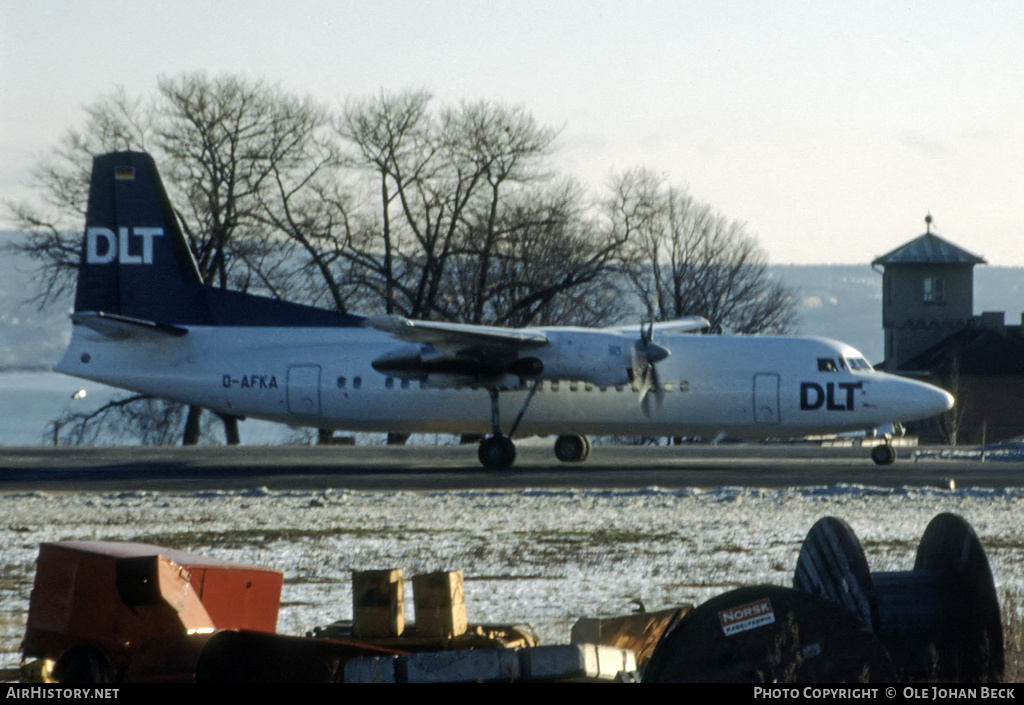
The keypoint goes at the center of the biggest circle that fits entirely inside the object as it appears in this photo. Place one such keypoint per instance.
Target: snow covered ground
(544, 557)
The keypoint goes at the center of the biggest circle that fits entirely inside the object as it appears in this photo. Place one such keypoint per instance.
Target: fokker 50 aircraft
(143, 320)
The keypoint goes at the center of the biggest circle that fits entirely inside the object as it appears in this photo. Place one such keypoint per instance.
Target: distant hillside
(835, 301)
(28, 337)
(838, 301)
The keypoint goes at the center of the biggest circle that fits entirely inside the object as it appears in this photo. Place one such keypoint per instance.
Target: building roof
(973, 351)
(929, 248)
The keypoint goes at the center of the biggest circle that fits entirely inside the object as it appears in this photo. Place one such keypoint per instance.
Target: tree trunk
(191, 435)
(231, 436)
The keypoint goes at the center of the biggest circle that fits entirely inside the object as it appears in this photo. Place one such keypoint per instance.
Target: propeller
(645, 354)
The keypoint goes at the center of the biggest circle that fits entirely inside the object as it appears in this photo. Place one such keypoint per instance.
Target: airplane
(143, 320)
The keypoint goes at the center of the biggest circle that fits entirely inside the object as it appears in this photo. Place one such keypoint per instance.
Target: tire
(572, 449)
(497, 452)
(883, 455)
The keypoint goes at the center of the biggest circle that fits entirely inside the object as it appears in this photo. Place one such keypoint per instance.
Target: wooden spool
(940, 621)
(768, 634)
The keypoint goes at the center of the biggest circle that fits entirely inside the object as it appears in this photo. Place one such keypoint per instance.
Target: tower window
(934, 290)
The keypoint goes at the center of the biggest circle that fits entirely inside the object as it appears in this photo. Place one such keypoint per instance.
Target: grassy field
(543, 557)
(1013, 638)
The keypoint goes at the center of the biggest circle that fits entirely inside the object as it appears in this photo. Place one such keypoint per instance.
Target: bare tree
(145, 419)
(549, 264)
(224, 144)
(471, 226)
(393, 139)
(228, 143)
(687, 259)
(504, 147)
(53, 225)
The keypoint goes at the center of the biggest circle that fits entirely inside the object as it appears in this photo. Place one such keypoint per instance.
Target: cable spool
(768, 634)
(938, 621)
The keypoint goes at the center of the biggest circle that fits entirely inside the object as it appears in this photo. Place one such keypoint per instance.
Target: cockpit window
(827, 364)
(858, 364)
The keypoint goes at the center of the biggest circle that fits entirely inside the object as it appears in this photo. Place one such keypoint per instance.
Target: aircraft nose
(929, 400)
(944, 400)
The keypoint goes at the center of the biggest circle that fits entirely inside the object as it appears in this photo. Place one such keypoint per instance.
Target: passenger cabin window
(827, 364)
(934, 290)
(357, 382)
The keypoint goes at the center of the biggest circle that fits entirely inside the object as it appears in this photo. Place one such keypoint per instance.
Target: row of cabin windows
(389, 383)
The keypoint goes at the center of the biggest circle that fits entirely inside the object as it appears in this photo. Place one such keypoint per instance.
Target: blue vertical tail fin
(135, 261)
(137, 264)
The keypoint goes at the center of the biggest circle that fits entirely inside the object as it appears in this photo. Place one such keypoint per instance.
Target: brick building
(931, 333)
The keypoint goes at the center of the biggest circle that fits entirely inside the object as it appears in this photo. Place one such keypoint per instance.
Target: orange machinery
(126, 611)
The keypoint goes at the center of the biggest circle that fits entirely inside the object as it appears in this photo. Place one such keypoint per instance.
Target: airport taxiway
(456, 467)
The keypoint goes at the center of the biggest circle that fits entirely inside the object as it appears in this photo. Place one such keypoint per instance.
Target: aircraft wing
(448, 336)
(687, 324)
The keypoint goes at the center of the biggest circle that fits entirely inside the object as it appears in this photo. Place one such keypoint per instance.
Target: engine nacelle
(425, 364)
(601, 358)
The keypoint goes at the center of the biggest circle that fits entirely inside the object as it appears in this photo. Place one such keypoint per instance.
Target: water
(31, 400)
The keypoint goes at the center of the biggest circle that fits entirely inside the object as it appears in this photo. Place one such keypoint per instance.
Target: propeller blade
(645, 374)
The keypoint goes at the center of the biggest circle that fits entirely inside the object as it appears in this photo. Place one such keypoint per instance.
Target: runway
(456, 467)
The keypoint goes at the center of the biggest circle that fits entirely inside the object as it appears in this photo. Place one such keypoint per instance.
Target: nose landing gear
(884, 454)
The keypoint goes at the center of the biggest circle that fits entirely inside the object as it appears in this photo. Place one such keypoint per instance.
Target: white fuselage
(742, 386)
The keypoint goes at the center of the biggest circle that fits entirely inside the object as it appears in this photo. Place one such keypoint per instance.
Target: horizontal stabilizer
(119, 327)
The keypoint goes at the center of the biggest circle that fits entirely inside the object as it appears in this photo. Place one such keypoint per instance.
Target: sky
(830, 128)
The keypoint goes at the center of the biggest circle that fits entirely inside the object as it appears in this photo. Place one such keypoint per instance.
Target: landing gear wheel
(572, 449)
(497, 452)
(884, 454)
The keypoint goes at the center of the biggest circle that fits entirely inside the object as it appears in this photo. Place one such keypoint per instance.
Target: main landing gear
(498, 452)
(572, 449)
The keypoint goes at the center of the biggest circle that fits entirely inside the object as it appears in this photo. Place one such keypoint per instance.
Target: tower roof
(929, 248)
